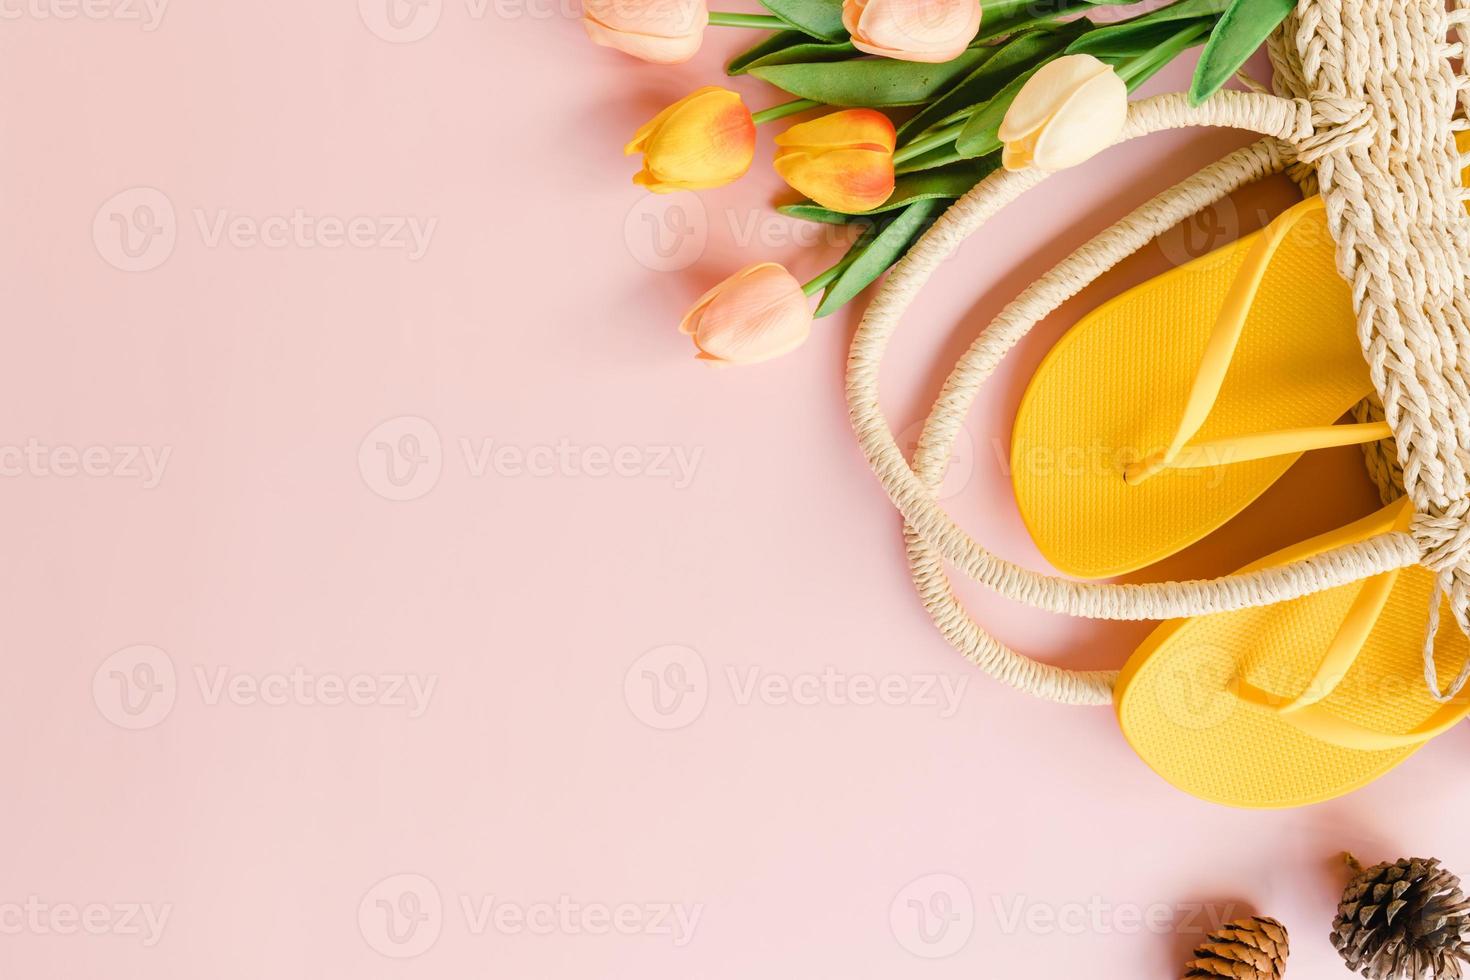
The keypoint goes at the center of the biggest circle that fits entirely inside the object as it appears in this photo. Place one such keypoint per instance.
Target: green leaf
(869, 81)
(809, 211)
(981, 134)
(819, 18)
(1012, 17)
(774, 44)
(1018, 54)
(1138, 35)
(943, 184)
(871, 257)
(1133, 44)
(805, 51)
(1241, 30)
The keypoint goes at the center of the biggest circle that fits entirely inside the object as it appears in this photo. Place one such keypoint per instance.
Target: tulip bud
(843, 161)
(912, 30)
(758, 313)
(665, 32)
(1072, 108)
(706, 139)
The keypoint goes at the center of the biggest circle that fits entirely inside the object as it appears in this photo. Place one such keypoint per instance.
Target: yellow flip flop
(1298, 702)
(1169, 409)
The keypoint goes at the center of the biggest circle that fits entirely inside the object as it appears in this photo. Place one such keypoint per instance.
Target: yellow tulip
(706, 139)
(912, 30)
(665, 32)
(1070, 110)
(843, 161)
(758, 313)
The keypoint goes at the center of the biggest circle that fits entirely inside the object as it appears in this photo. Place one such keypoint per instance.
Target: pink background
(538, 598)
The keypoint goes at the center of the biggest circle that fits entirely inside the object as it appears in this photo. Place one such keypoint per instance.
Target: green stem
(825, 279)
(954, 156)
(927, 143)
(763, 21)
(781, 111)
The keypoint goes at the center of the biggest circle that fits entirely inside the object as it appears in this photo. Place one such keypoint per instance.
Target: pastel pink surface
(538, 319)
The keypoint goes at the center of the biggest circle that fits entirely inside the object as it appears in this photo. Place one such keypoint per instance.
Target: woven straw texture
(1369, 101)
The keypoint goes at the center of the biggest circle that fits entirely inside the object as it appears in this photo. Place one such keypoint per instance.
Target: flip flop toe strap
(1215, 364)
(1325, 726)
(1306, 712)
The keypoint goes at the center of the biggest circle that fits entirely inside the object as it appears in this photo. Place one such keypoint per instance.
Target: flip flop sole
(1114, 388)
(1177, 709)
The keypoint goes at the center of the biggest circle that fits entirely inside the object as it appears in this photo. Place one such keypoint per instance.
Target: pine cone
(1246, 949)
(1407, 920)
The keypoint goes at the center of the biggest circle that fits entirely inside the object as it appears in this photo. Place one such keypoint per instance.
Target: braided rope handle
(1307, 130)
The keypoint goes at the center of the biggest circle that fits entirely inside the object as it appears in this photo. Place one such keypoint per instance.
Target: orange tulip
(912, 30)
(706, 139)
(665, 32)
(758, 313)
(843, 161)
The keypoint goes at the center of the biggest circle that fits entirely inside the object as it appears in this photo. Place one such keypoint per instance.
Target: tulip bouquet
(920, 100)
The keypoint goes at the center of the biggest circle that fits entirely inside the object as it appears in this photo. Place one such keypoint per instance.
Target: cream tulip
(912, 30)
(1070, 110)
(758, 313)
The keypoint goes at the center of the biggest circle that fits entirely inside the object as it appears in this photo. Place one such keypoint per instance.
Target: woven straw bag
(1370, 93)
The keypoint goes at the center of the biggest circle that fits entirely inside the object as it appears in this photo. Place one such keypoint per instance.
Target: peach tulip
(758, 313)
(912, 30)
(706, 139)
(665, 32)
(1071, 109)
(843, 161)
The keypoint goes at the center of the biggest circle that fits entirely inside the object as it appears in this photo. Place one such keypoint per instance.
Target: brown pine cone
(1246, 949)
(1405, 920)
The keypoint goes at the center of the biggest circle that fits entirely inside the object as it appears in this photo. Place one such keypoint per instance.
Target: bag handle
(932, 535)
